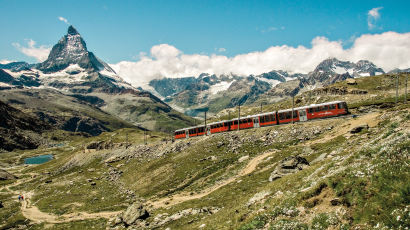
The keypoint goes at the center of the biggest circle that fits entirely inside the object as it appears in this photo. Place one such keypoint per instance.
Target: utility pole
(405, 90)
(206, 130)
(293, 105)
(397, 88)
(239, 115)
(261, 107)
(145, 137)
(126, 140)
(229, 114)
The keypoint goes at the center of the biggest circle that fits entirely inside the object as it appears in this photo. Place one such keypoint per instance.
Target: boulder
(4, 175)
(287, 166)
(135, 212)
(359, 128)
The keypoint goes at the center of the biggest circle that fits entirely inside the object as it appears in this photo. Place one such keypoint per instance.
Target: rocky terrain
(347, 172)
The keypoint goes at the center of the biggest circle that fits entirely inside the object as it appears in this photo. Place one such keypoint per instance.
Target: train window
(249, 120)
(317, 109)
(272, 117)
(341, 106)
(281, 116)
(262, 119)
(235, 122)
(332, 106)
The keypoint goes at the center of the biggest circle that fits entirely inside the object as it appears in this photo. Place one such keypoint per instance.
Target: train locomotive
(300, 114)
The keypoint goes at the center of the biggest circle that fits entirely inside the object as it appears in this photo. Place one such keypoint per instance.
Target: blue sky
(119, 30)
(123, 30)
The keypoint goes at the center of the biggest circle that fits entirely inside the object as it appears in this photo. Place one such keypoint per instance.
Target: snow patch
(222, 86)
(339, 70)
(272, 82)
(364, 74)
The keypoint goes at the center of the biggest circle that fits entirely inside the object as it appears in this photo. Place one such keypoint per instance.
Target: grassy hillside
(377, 90)
(353, 181)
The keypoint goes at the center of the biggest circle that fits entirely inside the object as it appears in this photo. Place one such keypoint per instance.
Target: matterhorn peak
(71, 49)
(72, 30)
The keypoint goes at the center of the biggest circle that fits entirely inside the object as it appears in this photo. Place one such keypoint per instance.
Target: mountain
(332, 70)
(18, 129)
(399, 71)
(72, 50)
(73, 70)
(212, 93)
(16, 66)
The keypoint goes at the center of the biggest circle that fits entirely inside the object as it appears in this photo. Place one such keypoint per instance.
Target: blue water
(38, 159)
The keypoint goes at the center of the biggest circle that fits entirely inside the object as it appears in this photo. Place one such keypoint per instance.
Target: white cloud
(221, 49)
(387, 50)
(4, 61)
(372, 16)
(63, 20)
(40, 53)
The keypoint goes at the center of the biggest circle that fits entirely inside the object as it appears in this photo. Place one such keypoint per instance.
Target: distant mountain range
(212, 93)
(74, 72)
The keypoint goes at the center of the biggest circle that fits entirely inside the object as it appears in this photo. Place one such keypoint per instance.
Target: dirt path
(34, 214)
(185, 196)
(370, 119)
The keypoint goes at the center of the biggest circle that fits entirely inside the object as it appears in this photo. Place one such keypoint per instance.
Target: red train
(329, 109)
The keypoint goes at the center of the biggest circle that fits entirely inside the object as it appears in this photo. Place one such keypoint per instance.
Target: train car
(329, 109)
(217, 127)
(285, 116)
(180, 133)
(196, 131)
(266, 119)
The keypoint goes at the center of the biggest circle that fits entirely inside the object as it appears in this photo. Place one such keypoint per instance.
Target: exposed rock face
(134, 212)
(288, 165)
(71, 49)
(4, 175)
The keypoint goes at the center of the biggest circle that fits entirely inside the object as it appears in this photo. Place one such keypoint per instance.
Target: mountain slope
(19, 130)
(72, 69)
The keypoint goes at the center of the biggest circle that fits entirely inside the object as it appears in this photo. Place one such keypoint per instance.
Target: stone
(336, 201)
(359, 128)
(135, 212)
(289, 165)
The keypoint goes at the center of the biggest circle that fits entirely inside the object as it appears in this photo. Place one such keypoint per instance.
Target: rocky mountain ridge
(206, 92)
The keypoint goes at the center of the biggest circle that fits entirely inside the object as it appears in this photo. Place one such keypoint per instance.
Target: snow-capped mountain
(332, 70)
(73, 70)
(192, 94)
(70, 67)
(72, 50)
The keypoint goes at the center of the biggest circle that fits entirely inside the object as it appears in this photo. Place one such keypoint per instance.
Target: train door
(256, 122)
(302, 115)
(208, 130)
(186, 134)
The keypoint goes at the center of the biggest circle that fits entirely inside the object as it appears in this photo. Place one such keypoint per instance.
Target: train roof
(310, 106)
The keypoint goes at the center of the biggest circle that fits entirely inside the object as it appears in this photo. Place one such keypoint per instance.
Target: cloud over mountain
(40, 53)
(388, 50)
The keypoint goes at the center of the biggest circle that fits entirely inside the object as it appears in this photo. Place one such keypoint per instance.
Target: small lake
(38, 159)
